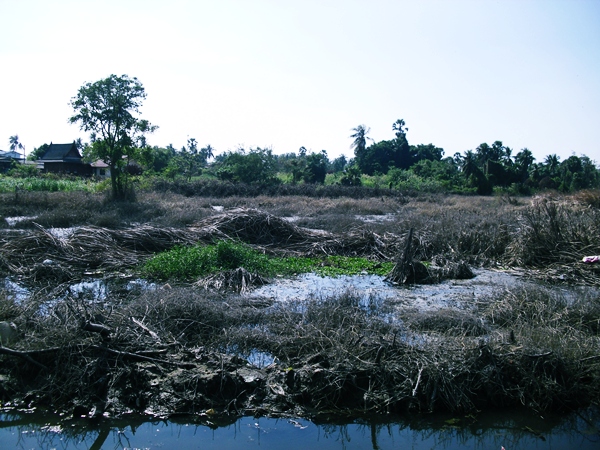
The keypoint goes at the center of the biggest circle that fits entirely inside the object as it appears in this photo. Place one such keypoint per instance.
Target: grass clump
(191, 262)
(187, 263)
(334, 266)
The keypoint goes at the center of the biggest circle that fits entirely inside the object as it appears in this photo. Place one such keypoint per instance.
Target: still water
(511, 430)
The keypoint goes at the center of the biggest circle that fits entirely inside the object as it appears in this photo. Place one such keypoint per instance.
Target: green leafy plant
(188, 263)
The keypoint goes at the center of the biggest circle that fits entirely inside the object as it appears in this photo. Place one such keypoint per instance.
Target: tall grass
(46, 184)
(555, 232)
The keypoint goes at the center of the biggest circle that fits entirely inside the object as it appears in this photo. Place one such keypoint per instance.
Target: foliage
(186, 263)
(316, 167)
(360, 139)
(258, 166)
(427, 152)
(339, 164)
(408, 180)
(189, 263)
(19, 170)
(155, 159)
(494, 166)
(381, 156)
(46, 184)
(108, 109)
(188, 162)
(16, 145)
(351, 176)
(37, 153)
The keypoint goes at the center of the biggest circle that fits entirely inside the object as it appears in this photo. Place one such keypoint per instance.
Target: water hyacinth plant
(191, 262)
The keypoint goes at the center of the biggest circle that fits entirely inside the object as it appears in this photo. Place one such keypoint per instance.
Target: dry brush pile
(183, 351)
(42, 254)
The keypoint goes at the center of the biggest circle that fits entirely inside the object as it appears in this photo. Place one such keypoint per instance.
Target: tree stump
(406, 270)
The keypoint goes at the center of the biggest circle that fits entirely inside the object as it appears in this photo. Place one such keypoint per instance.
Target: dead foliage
(409, 270)
(552, 237)
(450, 322)
(237, 280)
(182, 350)
(41, 254)
(588, 197)
(271, 232)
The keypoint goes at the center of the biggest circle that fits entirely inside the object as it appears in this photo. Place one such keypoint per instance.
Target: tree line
(108, 109)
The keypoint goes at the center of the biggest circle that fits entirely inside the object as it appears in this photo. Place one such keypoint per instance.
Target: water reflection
(511, 430)
(92, 289)
(447, 294)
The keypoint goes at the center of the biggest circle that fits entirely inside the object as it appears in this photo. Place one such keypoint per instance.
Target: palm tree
(16, 145)
(360, 139)
(523, 163)
(552, 162)
(206, 153)
(400, 127)
(469, 164)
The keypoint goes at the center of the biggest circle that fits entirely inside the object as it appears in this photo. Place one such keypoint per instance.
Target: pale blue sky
(287, 73)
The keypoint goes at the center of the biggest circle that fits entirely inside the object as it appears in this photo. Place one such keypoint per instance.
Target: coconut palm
(206, 153)
(16, 145)
(469, 164)
(552, 162)
(360, 138)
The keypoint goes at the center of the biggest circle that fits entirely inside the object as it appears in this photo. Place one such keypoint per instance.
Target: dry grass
(551, 235)
(178, 350)
(336, 354)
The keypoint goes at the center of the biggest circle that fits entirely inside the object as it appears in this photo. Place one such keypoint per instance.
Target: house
(100, 169)
(64, 158)
(7, 159)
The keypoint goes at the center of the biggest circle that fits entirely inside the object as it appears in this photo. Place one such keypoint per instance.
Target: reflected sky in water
(511, 430)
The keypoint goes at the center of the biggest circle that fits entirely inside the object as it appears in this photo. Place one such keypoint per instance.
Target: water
(447, 294)
(310, 286)
(94, 289)
(12, 221)
(511, 430)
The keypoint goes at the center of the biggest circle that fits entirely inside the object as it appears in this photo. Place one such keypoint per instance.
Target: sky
(283, 74)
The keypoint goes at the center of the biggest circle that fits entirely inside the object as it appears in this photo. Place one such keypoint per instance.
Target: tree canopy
(108, 109)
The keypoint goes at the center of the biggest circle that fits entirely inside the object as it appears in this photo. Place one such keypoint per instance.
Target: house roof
(99, 164)
(11, 154)
(62, 152)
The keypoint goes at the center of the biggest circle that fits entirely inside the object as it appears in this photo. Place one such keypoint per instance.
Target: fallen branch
(23, 355)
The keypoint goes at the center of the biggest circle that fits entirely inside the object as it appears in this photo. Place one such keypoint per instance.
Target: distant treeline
(389, 164)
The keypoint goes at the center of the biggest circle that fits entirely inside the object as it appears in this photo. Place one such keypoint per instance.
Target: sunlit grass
(189, 263)
(41, 184)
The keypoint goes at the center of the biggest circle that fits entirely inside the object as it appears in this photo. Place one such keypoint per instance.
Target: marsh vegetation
(183, 346)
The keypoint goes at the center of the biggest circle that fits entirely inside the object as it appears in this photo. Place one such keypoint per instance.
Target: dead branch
(23, 355)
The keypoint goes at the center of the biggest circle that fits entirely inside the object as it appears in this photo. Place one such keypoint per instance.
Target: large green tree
(316, 167)
(108, 109)
(383, 155)
(37, 153)
(257, 166)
